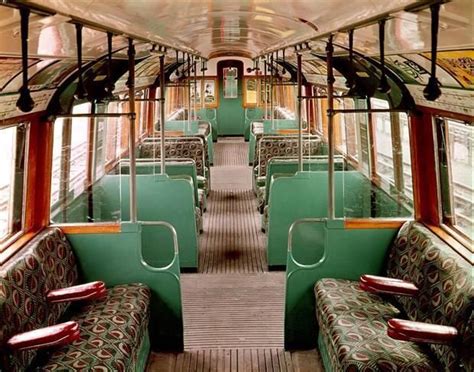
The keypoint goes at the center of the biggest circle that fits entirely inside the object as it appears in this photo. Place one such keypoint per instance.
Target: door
(230, 113)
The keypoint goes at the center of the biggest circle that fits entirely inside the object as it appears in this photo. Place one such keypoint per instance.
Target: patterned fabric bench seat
(113, 330)
(194, 148)
(353, 323)
(269, 147)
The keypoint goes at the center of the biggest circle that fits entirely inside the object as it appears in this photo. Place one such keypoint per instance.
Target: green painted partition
(269, 128)
(116, 259)
(305, 195)
(209, 115)
(282, 166)
(187, 168)
(336, 252)
(189, 128)
(252, 147)
(251, 114)
(159, 198)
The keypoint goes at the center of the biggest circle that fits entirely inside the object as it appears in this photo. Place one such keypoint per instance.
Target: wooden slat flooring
(233, 310)
(232, 241)
(236, 360)
(230, 151)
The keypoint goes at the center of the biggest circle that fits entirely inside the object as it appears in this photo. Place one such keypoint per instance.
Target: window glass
(85, 149)
(230, 82)
(383, 141)
(382, 148)
(12, 165)
(456, 173)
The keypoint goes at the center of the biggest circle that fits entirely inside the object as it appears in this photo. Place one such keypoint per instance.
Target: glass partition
(13, 142)
(85, 151)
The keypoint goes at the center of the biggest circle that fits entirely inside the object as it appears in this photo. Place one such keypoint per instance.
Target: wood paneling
(425, 182)
(371, 223)
(89, 228)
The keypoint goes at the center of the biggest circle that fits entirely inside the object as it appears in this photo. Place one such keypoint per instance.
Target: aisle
(233, 309)
(232, 241)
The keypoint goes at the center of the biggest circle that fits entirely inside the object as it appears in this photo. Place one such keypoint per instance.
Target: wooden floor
(232, 241)
(236, 360)
(233, 308)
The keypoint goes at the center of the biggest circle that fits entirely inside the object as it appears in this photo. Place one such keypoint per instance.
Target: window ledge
(454, 240)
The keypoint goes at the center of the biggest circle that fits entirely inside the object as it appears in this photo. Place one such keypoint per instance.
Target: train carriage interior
(224, 185)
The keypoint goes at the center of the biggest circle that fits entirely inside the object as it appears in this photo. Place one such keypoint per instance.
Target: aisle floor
(233, 308)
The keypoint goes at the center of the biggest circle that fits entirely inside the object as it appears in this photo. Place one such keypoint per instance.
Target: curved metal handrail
(290, 243)
(175, 245)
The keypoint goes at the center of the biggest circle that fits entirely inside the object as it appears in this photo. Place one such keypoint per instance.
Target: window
(12, 177)
(230, 82)
(392, 152)
(456, 152)
(70, 162)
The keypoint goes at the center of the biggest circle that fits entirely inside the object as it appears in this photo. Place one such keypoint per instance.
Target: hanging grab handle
(432, 90)
(110, 84)
(25, 103)
(350, 82)
(384, 87)
(80, 91)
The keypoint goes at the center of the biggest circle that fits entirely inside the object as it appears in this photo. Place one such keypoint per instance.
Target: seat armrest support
(381, 284)
(88, 291)
(407, 330)
(53, 336)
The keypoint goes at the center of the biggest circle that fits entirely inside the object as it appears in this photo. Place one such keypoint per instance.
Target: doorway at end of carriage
(230, 113)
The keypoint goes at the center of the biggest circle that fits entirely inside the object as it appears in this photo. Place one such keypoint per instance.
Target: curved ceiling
(246, 27)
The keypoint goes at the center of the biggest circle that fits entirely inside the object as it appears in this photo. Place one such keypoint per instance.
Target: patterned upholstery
(183, 147)
(353, 326)
(276, 146)
(353, 323)
(444, 279)
(111, 333)
(48, 262)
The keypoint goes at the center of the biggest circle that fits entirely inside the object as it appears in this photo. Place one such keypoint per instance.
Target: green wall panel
(305, 195)
(117, 259)
(337, 253)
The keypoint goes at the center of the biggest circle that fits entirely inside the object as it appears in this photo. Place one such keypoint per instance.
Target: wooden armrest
(408, 330)
(88, 291)
(381, 284)
(53, 336)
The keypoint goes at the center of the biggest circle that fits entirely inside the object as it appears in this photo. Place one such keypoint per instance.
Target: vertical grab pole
(203, 85)
(272, 109)
(330, 114)
(131, 146)
(298, 112)
(162, 112)
(265, 116)
(195, 88)
(189, 93)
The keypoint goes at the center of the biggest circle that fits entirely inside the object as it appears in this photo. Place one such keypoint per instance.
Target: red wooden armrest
(408, 330)
(56, 335)
(88, 291)
(381, 284)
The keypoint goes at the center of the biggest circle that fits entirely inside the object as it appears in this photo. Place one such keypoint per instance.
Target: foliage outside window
(12, 179)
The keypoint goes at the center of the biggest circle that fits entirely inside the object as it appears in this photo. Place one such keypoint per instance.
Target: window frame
(11, 238)
(447, 224)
